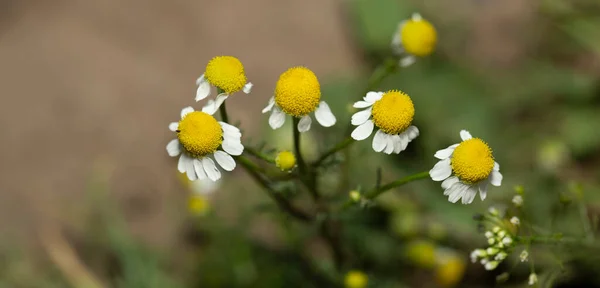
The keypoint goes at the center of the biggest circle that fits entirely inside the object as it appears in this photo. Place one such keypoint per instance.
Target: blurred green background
(523, 75)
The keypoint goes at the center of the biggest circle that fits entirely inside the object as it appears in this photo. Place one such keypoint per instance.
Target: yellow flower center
(394, 112)
(418, 37)
(227, 73)
(472, 161)
(298, 91)
(356, 279)
(198, 205)
(285, 160)
(200, 134)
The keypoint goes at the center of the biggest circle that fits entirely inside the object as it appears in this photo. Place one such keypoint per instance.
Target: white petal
(304, 124)
(203, 88)
(211, 170)
(174, 148)
(186, 110)
(247, 88)
(324, 115)
(225, 160)
(182, 164)
(213, 106)
(391, 141)
(469, 195)
(465, 135)
(173, 126)
(400, 143)
(190, 170)
(441, 170)
(496, 178)
(445, 153)
(449, 182)
(199, 169)
(397, 40)
(412, 132)
(496, 166)
(277, 118)
(233, 148)
(458, 191)
(361, 117)
(483, 190)
(373, 96)
(270, 105)
(379, 141)
(416, 17)
(230, 131)
(362, 104)
(407, 61)
(363, 131)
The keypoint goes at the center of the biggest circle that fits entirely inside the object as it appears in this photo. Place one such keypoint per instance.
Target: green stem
(259, 155)
(223, 111)
(305, 177)
(585, 221)
(340, 146)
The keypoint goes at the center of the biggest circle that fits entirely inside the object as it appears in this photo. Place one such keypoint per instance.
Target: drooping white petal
(400, 143)
(458, 191)
(324, 115)
(186, 111)
(233, 148)
(270, 105)
(373, 96)
(224, 160)
(496, 166)
(211, 170)
(362, 104)
(174, 148)
(449, 182)
(389, 147)
(230, 131)
(199, 169)
(445, 153)
(469, 195)
(304, 123)
(213, 106)
(182, 163)
(483, 190)
(441, 170)
(173, 126)
(277, 118)
(203, 88)
(496, 178)
(363, 131)
(407, 61)
(247, 88)
(379, 141)
(361, 117)
(465, 135)
(412, 132)
(190, 170)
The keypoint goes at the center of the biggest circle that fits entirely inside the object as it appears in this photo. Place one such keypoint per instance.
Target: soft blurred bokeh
(89, 197)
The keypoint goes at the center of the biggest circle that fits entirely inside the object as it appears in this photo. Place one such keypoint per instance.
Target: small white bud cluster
(500, 241)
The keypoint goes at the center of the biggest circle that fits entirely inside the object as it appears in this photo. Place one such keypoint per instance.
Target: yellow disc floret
(355, 279)
(394, 112)
(200, 134)
(227, 73)
(285, 160)
(418, 37)
(472, 161)
(298, 91)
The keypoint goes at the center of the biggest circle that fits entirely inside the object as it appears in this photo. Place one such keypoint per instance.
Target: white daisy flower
(392, 113)
(199, 136)
(415, 37)
(226, 73)
(298, 93)
(533, 279)
(466, 168)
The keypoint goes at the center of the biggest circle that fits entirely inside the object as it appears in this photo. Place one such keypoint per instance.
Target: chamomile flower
(298, 93)
(225, 73)
(415, 37)
(466, 168)
(392, 113)
(199, 136)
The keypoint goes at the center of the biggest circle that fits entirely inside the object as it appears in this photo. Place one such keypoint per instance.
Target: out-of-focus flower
(533, 279)
(524, 256)
(466, 168)
(553, 155)
(515, 221)
(421, 253)
(198, 205)
(227, 74)
(405, 224)
(450, 267)
(415, 37)
(392, 113)
(202, 187)
(285, 160)
(200, 135)
(356, 279)
(517, 200)
(298, 93)
(355, 196)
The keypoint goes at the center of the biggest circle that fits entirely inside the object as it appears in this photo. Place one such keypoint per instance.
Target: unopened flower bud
(524, 256)
(285, 160)
(491, 265)
(355, 196)
(515, 221)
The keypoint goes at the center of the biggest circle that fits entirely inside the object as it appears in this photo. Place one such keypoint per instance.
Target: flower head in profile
(199, 137)
(392, 113)
(298, 93)
(466, 168)
(226, 73)
(415, 37)
(355, 279)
